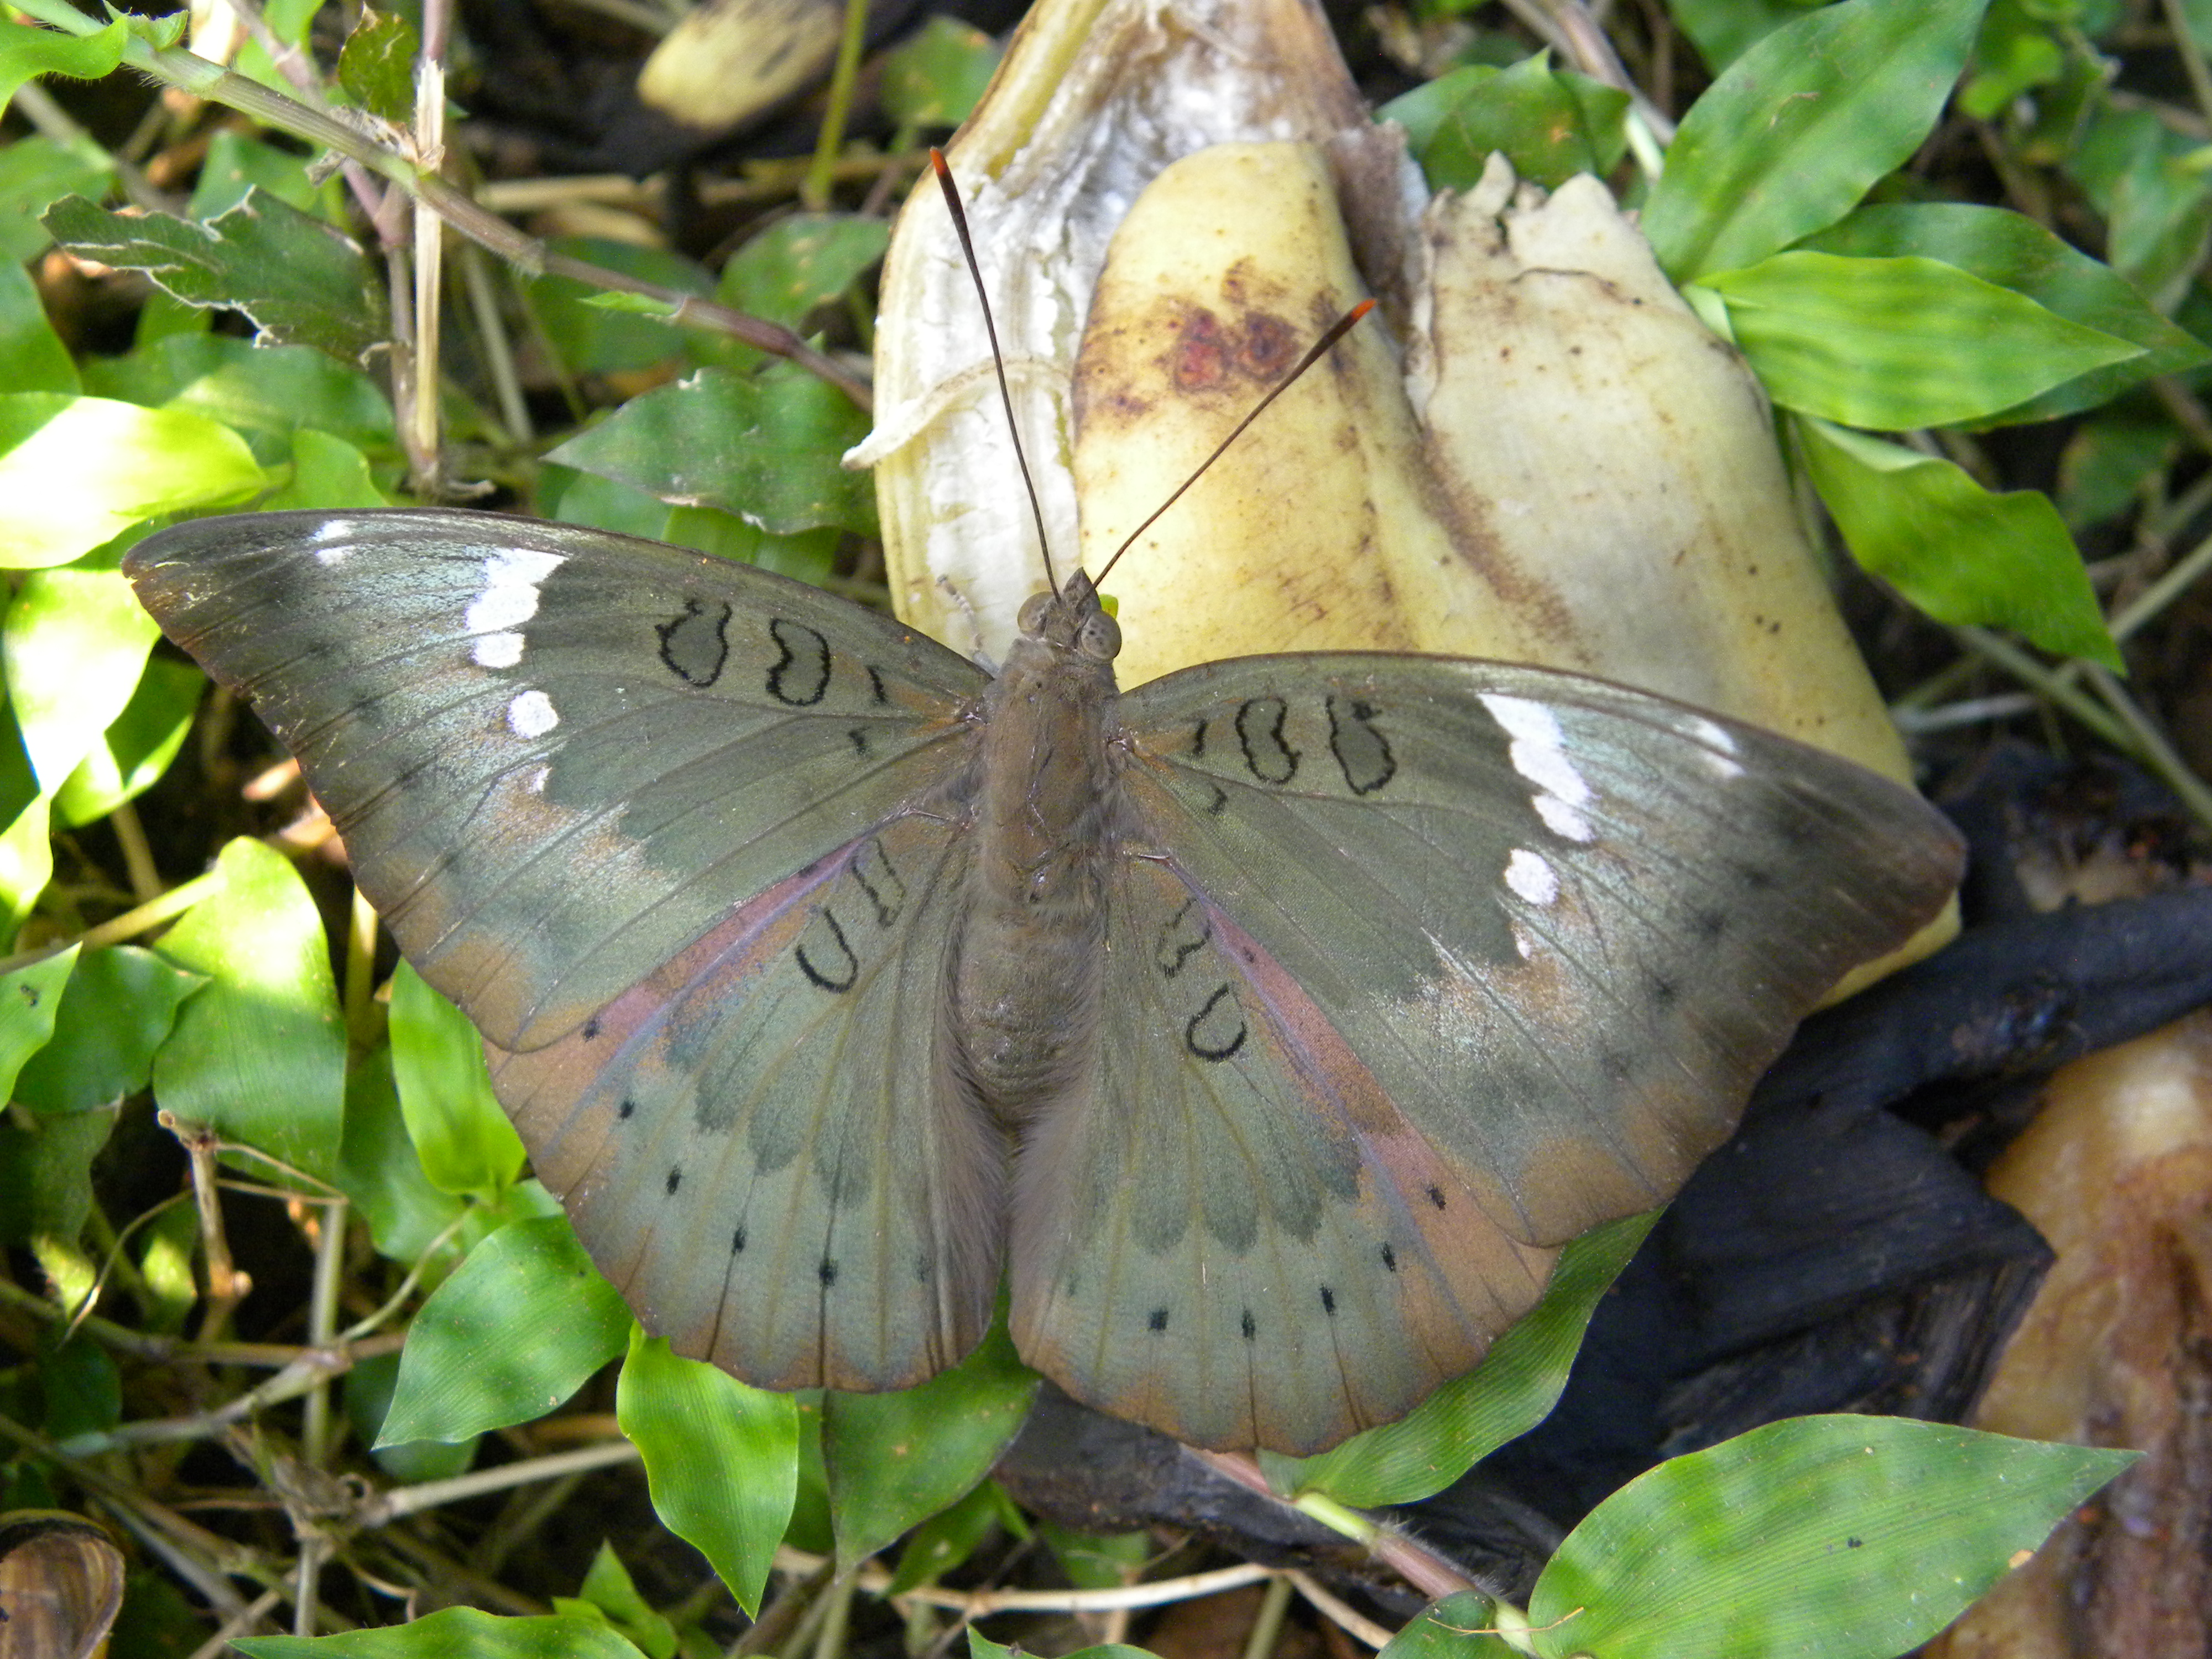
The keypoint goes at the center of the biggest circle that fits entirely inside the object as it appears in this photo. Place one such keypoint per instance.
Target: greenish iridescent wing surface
(1231, 1233)
(557, 755)
(1564, 925)
(761, 1144)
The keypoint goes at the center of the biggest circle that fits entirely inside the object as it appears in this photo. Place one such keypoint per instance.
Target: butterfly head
(1072, 620)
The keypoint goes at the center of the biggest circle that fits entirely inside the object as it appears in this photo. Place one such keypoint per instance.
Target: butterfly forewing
(760, 1145)
(1564, 925)
(557, 755)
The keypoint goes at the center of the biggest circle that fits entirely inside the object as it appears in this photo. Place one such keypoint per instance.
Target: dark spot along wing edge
(760, 1144)
(1530, 984)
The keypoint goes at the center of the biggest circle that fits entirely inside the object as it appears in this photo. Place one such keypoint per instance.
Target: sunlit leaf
(1848, 1537)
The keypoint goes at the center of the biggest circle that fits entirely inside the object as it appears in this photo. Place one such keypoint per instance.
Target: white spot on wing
(1523, 943)
(507, 599)
(1720, 745)
(1530, 877)
(533, 781)
(331, 531)
(1538, 753)
(497, 651)
(531, 714)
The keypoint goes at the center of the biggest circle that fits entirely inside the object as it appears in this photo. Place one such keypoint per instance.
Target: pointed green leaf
(948, 1538)
(301, 281)
(1511, 1391)
(590, 338)
(46, 1175)
(28, 49)
(258, 1055)
(1793, 134)
(84, 469)
(937, 78)
(32, 356)
(1955, 550)
(464, 1138)
(608, 1589)
(29, 999)
(2148, 182)
(1848, 1537)
(327, 473)
(1549, 124)
(896, 1459)
(2013, 251)
(376, 66)
(453, 1633)
(520, 1326)
(1896, 343)
(138, 745)
(765, 448)
(378, 1169)
(117, 1010)
(721, 1460)
(75, 642)
(35, 172)
(790, 270)
(981, 1646)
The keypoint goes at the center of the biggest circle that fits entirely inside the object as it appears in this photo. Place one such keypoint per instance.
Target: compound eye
(1100, 638)
(1035, 608)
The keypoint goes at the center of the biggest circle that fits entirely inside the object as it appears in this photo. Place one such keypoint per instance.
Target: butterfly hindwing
(1233, 1233)
(1564, 924)
(759, 1143)
(557, 755)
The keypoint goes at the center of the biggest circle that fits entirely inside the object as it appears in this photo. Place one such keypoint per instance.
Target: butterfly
(1264, 1028)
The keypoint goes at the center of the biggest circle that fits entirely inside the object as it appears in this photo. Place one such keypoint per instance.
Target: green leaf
(896, 1459)
(1097, 1561)
(32, 356)
(1511, 1391)
(368, 1389)
(937, 78)
(2014, 53)
(981, 1646)
(270, 394)
(453, 1633)
(721, 1460)
(789, 272)
(948, 1538)
(84, 469)
(1791, 135)
(463, 1137)
(328, 473)
(117, 1010)
(1457, 1628)
(75, 641)
(258, 1055)
(378, 1169)
(2013, 251)
(237, 164)
(1897, 344)
(520, 1326)
(2157, 202)
(300, 280)
(36, 170)
(28, 49)
(2109, 461)
(1848, 1537)
(809, 555)
(1724, 30)
(765, 448)
(45, 1175)
(1549, 124)
(376, 66)
(29, 999)
(1955, 550)
(592, 339)
(139, 743)
(608, 1589)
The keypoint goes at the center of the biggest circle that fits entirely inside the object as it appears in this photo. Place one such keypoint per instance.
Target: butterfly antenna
(997, 358)
(1337, 330)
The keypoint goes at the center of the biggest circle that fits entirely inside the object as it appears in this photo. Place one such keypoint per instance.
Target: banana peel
(1537, 453)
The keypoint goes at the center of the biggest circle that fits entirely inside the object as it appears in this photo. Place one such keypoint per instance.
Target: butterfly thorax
(1047, 805)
